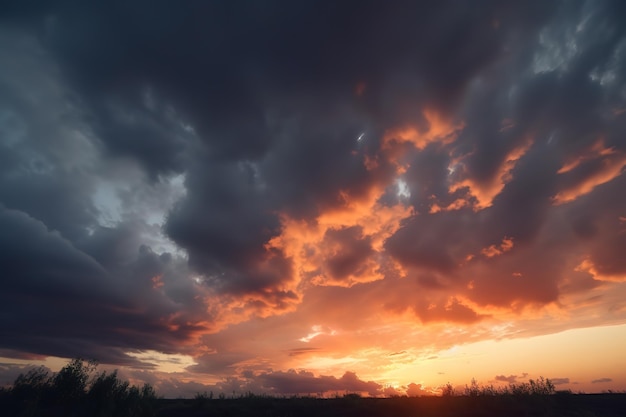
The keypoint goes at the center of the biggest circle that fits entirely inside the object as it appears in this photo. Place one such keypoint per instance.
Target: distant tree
(107, 394)
(28, 392)
(73, 392)
(70, 383)
(33, 383)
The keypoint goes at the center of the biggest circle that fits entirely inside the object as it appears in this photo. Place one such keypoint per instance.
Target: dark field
(587, 405)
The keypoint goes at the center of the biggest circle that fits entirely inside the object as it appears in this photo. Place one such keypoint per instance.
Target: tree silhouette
(76, 391)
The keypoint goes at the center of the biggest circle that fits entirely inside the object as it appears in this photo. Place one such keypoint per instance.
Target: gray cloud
(302, 382)
(601, 380)
(559, 381)
(511, 379)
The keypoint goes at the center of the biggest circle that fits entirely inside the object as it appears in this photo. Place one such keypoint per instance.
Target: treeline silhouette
(76, 390)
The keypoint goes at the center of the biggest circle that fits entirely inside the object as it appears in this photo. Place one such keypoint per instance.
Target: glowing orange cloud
(439, 130)
(496, 250)
(457, 204)
(612, 165)
(371, 163)
(307, 245)
(597, 150)
(589, 267)
(486, 192)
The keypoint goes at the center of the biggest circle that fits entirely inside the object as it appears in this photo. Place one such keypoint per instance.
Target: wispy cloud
(601, 380)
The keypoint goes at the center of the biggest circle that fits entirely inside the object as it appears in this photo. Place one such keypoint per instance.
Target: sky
(315, 197)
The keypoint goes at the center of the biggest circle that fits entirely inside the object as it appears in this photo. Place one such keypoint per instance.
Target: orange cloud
(457, 204)
(371, 163)
(603, 165)
(487, 191)
(495, 250)
(589, 267)
(322, 250)
(439, 130)
(452, 310)
(596, 150)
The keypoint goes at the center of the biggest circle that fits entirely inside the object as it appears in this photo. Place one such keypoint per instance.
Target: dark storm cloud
(316, 156)
(560, 100)
(137, 67)
(139, 126)
(352, 249)
(72, 285)
(72, 308)
(550, 110)
(60, 271)
(437, 242)
(63, 199)
(216, 66)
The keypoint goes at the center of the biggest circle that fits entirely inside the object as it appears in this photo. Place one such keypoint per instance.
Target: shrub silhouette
(541, 386)
(447, 390)
(74, 392)
(70, 383)
(29, 391)
(107, 394)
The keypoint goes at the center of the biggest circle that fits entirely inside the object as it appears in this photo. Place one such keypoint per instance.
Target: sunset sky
(315, 197)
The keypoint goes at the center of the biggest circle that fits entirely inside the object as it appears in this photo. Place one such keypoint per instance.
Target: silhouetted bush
(541, 386)
(201, 399)
(73, 392)
(447, 390)
(474, 390)
(70, 383)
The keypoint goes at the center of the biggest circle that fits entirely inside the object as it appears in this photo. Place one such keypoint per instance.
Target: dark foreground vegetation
(79, 390)
(76, 390)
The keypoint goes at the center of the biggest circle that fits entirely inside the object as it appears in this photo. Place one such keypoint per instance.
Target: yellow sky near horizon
(582, 355)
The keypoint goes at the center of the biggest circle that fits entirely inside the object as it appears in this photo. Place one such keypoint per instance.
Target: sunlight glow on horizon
(548, 355)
